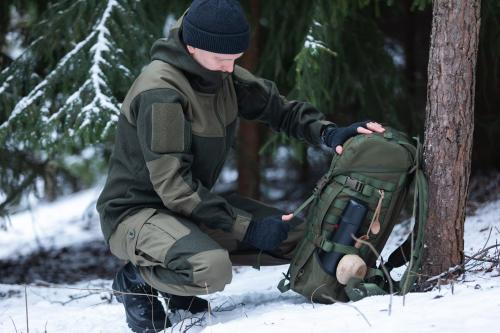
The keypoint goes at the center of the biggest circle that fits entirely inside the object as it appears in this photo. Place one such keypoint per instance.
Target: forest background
(67, 65)
(353, 60)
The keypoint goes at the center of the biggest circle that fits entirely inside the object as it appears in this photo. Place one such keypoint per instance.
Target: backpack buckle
(354, 184)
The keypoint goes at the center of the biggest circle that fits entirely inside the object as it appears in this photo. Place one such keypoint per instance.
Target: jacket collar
(173, 51)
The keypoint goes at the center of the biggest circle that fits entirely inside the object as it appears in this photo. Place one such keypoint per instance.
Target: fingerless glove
(334, 136)
(267, 234)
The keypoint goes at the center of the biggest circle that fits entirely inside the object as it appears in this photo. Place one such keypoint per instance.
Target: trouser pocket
(145, 237)
(123, 239)
(156, 237)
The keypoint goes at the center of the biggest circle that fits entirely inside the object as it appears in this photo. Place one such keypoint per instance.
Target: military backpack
(369, 182)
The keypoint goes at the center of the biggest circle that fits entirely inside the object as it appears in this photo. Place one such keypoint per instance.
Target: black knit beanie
(218, 26)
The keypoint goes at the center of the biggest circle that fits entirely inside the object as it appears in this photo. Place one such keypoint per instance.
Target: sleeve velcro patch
(169, 128)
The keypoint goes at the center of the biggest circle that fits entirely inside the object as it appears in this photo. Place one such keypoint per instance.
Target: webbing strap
(377, 183)
(331, 219)
(329, 246)
(354, 184)
(373, 272)
(304, 205)
(356, 289)
(339, 204)
(363, 187)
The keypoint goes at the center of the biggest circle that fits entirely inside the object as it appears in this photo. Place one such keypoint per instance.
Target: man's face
(214, 61)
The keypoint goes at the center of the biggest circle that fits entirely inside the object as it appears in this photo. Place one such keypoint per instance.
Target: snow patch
(62, 223)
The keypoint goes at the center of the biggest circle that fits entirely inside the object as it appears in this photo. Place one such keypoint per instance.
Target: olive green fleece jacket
(177, 124)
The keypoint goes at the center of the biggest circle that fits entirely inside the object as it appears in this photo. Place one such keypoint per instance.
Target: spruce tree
(63, 94)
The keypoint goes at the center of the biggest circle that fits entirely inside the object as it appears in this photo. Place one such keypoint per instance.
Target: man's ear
(190, 49)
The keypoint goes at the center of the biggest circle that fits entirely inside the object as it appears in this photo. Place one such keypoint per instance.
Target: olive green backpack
(376, 170)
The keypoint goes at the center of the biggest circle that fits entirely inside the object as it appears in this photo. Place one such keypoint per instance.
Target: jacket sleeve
(259, 99)
(164, 134)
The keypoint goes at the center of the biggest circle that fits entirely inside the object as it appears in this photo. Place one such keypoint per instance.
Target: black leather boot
(145, 313)
(192, 304)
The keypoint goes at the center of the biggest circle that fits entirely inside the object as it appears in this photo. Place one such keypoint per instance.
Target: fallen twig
(494, 261)
(479, 254)
(461, 267)
(13, 323)
(450, 271)
(197, 322)
(220, 308)
(74, 298)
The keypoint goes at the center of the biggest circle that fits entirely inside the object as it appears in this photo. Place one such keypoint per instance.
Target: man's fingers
(370, 128)
(287, 217)
(339, 149)
(362, 130)
(376, 127)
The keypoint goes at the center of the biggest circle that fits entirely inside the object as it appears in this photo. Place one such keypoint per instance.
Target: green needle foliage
(346, 66)
(63, 93)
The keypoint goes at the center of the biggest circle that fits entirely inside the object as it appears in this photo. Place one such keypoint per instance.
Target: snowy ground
(68, 221)
(251, 303)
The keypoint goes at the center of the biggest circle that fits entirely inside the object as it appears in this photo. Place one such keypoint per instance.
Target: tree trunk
(449, 129)
(249, 134)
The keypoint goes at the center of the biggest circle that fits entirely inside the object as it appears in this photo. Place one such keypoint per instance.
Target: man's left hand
(334, 137)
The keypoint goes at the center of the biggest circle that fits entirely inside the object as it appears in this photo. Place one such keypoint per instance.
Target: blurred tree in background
(354, 60)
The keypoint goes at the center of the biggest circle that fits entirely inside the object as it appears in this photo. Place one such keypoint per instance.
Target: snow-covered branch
(96, 80)
(40, 89)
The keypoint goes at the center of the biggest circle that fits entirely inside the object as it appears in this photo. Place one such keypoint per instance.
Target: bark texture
(249, 134)
(449, 128)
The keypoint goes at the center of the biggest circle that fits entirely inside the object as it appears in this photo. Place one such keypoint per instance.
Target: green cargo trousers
(177, 256)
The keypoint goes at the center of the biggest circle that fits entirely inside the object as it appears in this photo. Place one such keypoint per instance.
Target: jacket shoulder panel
(156, 75)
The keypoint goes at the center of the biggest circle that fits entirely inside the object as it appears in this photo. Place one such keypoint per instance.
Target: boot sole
(159, 328)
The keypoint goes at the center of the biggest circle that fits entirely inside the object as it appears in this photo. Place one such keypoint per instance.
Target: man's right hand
(267, 234)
